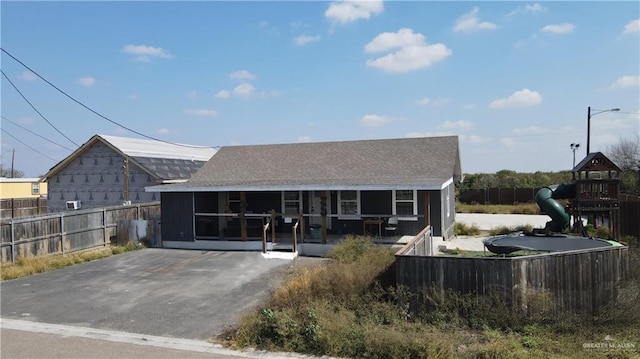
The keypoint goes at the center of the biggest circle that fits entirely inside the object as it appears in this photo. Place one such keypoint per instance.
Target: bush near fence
(67, 232)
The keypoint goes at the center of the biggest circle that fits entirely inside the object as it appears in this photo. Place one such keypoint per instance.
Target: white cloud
(223, 94)
(535, 8)
(298, 24)
(522, 98)
(133, 97)
(162, 131)
(242, 75)
(270, 93)
(626, 81)
(28, 75)
(427, 134)
(374, 120)
(245, 89)
(469, 106)
(508, 141)
(351, 10)
(87, 81)
(437, 102)
(473, 139)
(411, 51)
(305, 39)
(564, 28)
(529, 8)
(143, 53)
(471, 22)
(200, 112)
(193, 94)
(456, 125)
(632, 26)
(304, 139)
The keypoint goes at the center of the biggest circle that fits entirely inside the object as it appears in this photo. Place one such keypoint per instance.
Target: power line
(97, 113)
(31, 148)
(35, 109)
(28, 130)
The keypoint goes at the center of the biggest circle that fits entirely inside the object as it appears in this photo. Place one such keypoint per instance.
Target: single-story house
(337, 187)
(111, 170)
(22, 188)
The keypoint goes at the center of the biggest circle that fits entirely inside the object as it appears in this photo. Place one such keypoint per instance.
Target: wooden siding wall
(177, 216)
(96, 178)
(22, 207)
(581, 281)
(69, 231)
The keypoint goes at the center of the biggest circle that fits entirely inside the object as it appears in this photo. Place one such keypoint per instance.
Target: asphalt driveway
(173, 293)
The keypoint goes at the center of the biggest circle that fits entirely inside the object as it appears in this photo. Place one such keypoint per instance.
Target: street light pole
(589, 115)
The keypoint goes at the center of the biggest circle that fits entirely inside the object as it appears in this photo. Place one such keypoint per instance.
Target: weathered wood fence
(22, 207)
(630, 215)
(66, 232)
(579, 281)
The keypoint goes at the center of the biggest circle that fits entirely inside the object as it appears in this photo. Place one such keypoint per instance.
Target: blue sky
(512, 79)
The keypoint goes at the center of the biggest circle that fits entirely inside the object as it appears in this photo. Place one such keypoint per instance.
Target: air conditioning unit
(73, 205)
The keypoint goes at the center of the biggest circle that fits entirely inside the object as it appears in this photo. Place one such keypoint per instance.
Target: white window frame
(35, 188)
(415, 206)
(284, 201)
(349, 216)
(448, 201)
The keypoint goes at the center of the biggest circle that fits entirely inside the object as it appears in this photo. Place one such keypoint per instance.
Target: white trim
(266, 188)
(415, 206)
(218, 245)
(282, 201)
(448, 182)
(350, 215)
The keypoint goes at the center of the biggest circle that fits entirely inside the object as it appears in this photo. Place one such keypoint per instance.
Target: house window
(349, 203)
(292, 202)
(405, 204)
(35, 188)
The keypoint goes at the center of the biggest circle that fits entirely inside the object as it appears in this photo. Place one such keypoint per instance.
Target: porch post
(243, 219)
(427, 209)
(323, 212)
(273, 226)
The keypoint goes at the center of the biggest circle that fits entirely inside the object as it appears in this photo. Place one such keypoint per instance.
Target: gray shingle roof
(409, 163)
(166, 161)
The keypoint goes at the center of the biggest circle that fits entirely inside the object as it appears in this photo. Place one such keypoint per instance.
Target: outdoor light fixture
(574, 147)
(589, 115)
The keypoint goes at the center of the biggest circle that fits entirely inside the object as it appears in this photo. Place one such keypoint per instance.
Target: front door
(315, 208)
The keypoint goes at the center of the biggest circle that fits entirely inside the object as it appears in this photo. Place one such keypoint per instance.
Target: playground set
(592, 196)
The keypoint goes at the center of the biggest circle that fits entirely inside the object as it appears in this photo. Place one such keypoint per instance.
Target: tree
(626, 155)
(6, 172)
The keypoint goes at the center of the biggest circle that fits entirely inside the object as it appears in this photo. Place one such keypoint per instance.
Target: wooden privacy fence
(66, 232)
(630, 215)
(22, 207)
(578, 281)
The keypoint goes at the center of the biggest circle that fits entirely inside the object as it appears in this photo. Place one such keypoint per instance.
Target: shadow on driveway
(174, 293)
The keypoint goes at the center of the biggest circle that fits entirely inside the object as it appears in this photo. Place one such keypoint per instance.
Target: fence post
(13, 242)
(104, 225)
(62, 232)
(138, 211)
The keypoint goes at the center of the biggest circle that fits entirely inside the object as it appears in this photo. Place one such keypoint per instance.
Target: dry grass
(25, 266)
(346, 308)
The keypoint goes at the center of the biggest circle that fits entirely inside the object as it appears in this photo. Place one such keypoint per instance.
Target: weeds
(461, 229)
(344, 309)
(527, 228)
(522, 208)
(25, 266)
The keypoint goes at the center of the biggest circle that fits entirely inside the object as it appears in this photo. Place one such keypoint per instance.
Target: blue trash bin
(314, 231)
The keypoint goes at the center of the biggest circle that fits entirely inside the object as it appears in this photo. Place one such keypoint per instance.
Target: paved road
(171, 293)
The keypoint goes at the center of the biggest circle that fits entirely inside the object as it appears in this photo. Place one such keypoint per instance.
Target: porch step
(280, 255)
(282, 247)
